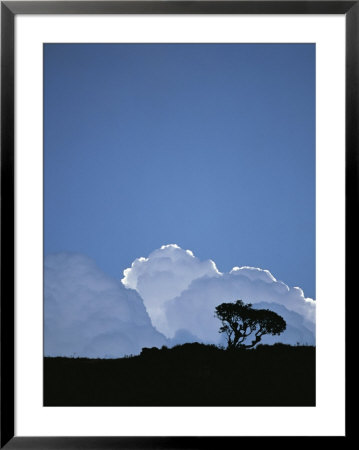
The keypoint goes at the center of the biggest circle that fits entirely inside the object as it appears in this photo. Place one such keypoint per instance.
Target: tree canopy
(242, 324)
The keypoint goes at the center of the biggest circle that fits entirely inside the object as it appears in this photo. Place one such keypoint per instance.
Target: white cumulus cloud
(166, 298)
(90, 314)
(181, 292)
(163, 275)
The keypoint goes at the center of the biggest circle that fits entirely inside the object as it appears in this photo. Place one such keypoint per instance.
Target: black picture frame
(9, 9)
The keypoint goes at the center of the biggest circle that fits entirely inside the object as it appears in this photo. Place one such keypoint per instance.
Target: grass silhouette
(186, 375)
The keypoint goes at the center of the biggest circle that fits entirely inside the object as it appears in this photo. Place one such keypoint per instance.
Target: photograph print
(179, 225)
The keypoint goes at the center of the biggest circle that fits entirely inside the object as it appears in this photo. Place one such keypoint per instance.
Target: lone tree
(240, 321)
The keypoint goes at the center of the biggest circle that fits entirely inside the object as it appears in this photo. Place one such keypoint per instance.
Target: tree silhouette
(241, 322)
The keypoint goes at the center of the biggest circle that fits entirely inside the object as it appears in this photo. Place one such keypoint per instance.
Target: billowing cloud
(164, 275)
(181, 292)
(88, 313)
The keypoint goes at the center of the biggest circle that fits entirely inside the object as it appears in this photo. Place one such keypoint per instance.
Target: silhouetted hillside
(186, 375)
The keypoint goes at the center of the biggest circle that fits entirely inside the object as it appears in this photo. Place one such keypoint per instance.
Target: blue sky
(211, 147)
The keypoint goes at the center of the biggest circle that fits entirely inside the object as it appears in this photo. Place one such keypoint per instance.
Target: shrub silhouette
(241, 323)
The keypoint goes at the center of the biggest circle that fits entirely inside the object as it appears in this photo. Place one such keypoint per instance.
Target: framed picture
(176, 179)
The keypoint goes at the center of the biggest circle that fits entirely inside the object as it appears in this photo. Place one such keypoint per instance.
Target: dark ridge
(186, 375)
